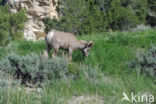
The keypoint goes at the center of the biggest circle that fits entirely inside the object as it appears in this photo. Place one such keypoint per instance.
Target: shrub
(140, 8)
(151, 17)
(3, 83)
(4, 25)
(152, 5)
(90, 72)
(146, 63)
(71, 13)
(32, 68)
(78, 17)
(17, 21)
(92, 16)
(6, 83)
(11, 24)
(121, 18)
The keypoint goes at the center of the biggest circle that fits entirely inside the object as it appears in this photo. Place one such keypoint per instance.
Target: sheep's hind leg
(54, 54)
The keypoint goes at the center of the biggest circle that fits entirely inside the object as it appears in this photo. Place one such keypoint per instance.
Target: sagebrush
(145, 63)
(33, 68)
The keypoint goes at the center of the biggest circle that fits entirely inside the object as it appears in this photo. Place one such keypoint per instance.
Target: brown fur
(62, 40)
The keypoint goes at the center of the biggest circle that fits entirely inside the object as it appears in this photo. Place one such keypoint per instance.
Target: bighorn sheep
(61, 40)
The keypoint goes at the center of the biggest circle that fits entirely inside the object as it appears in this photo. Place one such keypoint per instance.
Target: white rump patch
(50, 36)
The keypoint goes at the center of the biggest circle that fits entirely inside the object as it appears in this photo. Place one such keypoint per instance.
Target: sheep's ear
(90, 44)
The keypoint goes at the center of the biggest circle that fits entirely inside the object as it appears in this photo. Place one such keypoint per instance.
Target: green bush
(78, 17)
(121, 18)
(140, 8)
(152, 5)
(71, 13)
(146, 63)
(11, 25)
(151, 17)
(92, 16)
(4, 25)
(32, 68)
(17, 21)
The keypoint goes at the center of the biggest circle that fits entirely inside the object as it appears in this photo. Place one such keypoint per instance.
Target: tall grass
(110, 54)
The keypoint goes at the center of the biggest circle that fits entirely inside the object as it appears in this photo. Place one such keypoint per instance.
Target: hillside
(99, 79)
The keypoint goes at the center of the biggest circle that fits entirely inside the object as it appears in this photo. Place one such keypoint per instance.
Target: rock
(40, 35)
(36, 10)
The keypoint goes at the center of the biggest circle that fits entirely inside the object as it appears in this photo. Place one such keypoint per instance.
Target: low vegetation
(102, 77)
(32, 68)
(145, 63)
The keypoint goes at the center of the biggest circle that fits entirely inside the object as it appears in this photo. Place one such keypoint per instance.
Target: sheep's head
(87, 47)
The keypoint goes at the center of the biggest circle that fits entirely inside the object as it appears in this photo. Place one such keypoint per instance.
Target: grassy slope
(110, 55)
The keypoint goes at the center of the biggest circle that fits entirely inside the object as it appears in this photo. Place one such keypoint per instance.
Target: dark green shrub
(17, 21)
(140, 8)
(4, 25)
(71, 13)
(152, 5)
(32, 68)
(146, 63)
(121, 18)
(92, 16)
(73, 70)
(151, 17)
(11, 24)
(78, 17)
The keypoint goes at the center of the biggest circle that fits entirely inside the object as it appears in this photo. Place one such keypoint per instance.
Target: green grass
(110, 54)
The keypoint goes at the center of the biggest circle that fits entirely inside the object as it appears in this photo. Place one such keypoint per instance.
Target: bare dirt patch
(86, 99)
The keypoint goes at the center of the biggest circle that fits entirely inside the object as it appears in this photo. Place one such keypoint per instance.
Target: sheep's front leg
(47, 51)
(70, 53)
